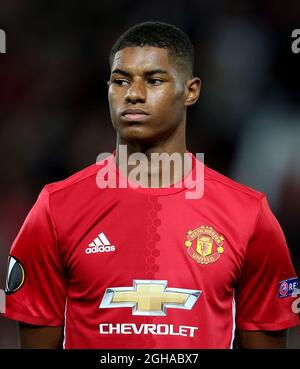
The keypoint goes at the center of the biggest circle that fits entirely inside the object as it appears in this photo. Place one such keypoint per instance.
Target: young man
(147, 267)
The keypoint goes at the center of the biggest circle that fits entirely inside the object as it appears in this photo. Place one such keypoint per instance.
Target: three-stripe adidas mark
(100, 244)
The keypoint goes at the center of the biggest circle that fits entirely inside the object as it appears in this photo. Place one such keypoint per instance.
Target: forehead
(143, 58)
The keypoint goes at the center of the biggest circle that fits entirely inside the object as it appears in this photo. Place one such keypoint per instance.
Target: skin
(149, 78)
(262, 339)
(165, 95)
(36, 337)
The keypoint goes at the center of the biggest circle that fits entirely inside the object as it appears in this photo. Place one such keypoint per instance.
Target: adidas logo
(100, 244)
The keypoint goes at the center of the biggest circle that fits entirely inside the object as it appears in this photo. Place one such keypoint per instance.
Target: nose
(136, 93)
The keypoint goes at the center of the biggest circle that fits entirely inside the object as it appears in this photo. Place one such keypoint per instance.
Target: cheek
(170, 102)
(172, 94)
(111, 96)
(113, 100)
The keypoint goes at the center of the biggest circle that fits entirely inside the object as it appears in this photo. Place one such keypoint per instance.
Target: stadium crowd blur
(54, 117)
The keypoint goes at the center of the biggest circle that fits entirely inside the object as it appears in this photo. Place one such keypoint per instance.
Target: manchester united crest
(204, 244)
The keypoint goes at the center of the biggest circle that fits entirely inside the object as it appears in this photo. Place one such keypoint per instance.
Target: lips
(134, 114)
(134, 111)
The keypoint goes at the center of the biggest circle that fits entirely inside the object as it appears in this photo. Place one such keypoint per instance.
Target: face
(147, 94)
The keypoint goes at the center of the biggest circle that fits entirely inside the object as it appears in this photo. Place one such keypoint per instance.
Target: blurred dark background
(54, 117)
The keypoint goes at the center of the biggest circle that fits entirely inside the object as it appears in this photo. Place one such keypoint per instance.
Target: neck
(150, 170)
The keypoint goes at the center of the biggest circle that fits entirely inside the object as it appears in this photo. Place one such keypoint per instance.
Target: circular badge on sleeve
(15, 275)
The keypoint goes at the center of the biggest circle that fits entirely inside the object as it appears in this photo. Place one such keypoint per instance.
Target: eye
(120, 82)
(155, 82)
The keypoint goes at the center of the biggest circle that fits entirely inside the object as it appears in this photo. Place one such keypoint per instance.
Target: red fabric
(149, 228)
(267, 260)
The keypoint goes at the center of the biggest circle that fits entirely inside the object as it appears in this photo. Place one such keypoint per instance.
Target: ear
(192, 91)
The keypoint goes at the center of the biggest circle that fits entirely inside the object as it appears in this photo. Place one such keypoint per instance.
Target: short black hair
(158, 34)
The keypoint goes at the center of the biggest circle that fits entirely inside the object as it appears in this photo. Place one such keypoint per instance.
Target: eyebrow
(146, 74)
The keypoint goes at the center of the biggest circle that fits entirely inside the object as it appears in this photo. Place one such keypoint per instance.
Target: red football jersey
(149, 268)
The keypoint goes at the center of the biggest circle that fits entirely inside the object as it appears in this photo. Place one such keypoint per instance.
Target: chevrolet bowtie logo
(149, 297)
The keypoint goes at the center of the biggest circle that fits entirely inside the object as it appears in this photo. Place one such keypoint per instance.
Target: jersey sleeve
(264, 291)
(35, 285)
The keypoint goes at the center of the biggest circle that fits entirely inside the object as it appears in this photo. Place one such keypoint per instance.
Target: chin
(137, 133)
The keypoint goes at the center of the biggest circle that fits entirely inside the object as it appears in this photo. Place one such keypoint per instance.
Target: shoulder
(230, 186)
(241, 203)
(79, 181)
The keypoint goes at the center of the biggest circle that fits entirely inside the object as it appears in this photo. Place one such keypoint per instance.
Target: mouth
(134, 115)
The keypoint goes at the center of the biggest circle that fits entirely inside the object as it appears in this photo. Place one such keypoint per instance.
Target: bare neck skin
(175, 143)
